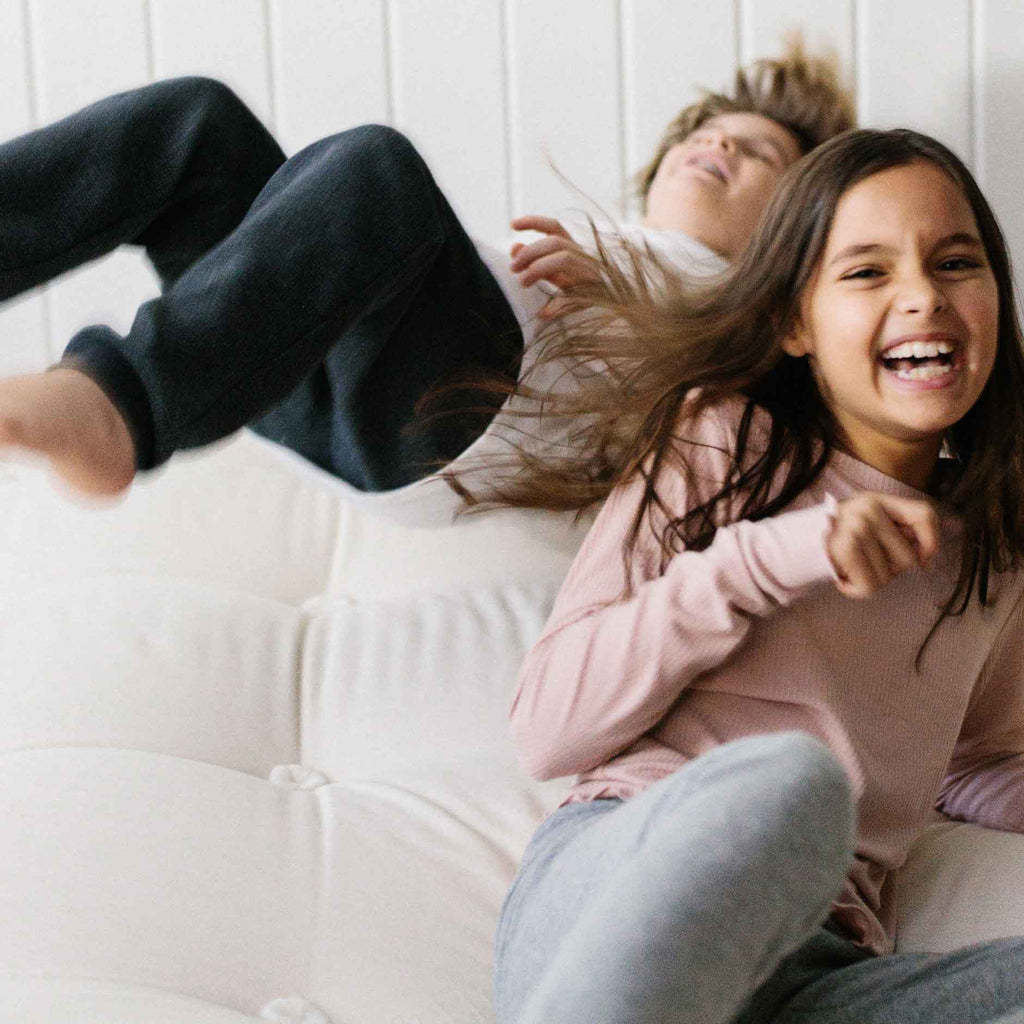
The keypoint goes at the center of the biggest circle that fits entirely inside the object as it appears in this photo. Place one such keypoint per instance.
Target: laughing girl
(795, 630)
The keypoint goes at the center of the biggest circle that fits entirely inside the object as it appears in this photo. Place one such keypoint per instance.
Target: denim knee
(804, 765)
(791, 781)
(806, 760)
(803, 777)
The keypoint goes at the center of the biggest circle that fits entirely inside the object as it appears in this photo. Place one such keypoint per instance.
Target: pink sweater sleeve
(985, 781)
(607, 669)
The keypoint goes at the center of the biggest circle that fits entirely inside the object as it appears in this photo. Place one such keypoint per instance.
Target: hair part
(799, 92)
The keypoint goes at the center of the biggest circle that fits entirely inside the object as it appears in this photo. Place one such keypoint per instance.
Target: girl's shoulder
(716, 428)
(726, 447)
(699, 454)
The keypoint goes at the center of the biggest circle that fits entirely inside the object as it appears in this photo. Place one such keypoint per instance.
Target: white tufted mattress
(254, 758)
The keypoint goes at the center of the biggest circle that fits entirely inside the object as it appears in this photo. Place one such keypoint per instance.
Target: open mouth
(920, 360)
(706, 164)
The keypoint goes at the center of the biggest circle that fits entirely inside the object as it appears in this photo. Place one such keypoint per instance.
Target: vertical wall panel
(85, 51)
(329, 64)
(15, 99)
(564, 103)
(447, 62)
(824, 26)
(915, 68)
(226, 39)
(23, 340)
(81, 53)
(670, 52)
(1000, 72)
(587, 84)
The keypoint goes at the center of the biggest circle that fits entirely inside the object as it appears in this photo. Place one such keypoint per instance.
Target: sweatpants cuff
(91, 352)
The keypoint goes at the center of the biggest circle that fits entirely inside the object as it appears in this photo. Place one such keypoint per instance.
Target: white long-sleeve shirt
(430, 502)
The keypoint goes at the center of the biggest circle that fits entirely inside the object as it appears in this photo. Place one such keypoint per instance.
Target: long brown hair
(648, 351)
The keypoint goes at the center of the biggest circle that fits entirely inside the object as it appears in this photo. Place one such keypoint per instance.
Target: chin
(690, 209)
(925, 432)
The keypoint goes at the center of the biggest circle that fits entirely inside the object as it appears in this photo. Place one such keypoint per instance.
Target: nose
(716, 138)
(920, 294)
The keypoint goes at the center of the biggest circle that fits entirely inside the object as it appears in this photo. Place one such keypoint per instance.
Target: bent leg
(172, 166)
(671, 908)
(348, 290)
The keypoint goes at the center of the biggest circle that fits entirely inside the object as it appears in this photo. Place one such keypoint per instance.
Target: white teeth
(929, 372)
(919, 349)
(708, 165)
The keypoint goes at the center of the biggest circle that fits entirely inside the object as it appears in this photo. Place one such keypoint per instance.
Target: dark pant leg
(172, 166)
(348, 290)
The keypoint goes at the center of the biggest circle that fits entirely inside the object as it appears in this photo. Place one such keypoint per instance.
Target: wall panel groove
(506, 101)
(389, 60)
(31, 74)
(620, 77)
(147, 21)
(978, 89)
(268, 61)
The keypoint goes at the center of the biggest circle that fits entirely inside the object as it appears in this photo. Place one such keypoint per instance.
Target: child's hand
(876, 537)
(556, 259)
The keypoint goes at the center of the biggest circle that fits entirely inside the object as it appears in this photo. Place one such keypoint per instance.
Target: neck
(707, 231)
(912, 463)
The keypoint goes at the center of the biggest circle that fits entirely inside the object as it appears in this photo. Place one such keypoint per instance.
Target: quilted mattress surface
(254, 755)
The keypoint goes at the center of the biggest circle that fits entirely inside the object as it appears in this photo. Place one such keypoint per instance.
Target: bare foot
(65, 416)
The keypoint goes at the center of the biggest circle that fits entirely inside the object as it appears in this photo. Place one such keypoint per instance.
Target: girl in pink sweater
(794, 633)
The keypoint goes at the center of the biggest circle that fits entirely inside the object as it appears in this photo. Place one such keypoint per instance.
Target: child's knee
(377, 153)
(810, 792)
(781, 784)
(203, 98)
(210, 112)
(810, 765)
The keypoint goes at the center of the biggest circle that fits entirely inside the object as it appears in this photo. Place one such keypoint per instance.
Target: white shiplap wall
(496, 91)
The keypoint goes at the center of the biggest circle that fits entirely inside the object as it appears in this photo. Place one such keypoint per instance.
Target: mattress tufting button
(297, 776)
(293, 1010)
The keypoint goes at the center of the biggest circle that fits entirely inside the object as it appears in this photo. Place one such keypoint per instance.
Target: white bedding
(254, 755)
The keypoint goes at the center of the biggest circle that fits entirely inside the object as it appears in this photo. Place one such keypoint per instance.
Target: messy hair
(799, 92)
(649, 351)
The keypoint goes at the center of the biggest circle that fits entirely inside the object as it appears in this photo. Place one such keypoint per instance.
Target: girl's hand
(876, 537)
(556, 259)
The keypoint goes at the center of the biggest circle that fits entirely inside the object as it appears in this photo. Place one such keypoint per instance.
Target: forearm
(598, 680)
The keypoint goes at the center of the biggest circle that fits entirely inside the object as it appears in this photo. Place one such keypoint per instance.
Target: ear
(797, 342)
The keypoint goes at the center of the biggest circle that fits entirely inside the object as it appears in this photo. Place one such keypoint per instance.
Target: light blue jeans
(703, 900)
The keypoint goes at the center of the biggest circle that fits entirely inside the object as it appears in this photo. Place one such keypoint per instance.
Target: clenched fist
(876, 536)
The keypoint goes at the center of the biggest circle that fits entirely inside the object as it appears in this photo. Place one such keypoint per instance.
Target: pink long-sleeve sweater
(751, 636)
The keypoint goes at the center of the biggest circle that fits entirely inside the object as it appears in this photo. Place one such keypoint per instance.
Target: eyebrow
(863, 249)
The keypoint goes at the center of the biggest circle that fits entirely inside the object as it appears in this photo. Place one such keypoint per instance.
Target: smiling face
(714, 184)
(900, 320)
